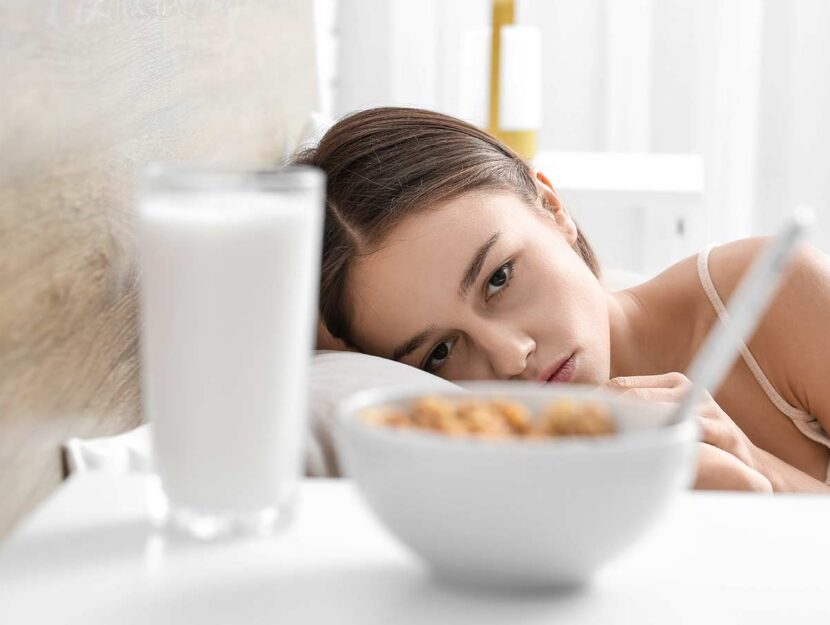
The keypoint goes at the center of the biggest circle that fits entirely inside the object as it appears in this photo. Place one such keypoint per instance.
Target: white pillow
(336, 375)
(333, 377)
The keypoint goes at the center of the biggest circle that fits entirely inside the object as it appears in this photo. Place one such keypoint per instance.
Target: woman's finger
(664, 380)
(708, 431)
(717, 433)
(671, 395)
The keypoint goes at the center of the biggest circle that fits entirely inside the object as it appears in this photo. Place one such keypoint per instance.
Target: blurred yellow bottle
(522, 141)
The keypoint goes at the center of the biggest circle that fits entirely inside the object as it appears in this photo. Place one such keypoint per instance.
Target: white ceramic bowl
(521, 513)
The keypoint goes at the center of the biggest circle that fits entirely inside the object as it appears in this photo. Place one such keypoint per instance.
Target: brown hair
(384, 164)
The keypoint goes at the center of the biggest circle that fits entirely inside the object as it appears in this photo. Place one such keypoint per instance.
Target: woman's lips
(562, 371)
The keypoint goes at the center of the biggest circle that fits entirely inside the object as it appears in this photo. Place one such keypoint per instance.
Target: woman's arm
(784, 477)
(802, 314)
(792, 343)
(803, 319)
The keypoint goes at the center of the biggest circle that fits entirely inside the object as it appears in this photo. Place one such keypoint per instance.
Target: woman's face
(483, 287)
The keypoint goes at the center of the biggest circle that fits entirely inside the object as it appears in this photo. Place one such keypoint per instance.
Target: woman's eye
(500, 279)
(439, 356)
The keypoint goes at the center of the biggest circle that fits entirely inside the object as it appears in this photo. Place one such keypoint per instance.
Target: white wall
(744, 83)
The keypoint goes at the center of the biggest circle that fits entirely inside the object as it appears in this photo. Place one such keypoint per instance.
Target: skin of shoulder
(792, 341)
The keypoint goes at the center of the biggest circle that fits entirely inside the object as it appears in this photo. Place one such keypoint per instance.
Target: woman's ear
(552, 203)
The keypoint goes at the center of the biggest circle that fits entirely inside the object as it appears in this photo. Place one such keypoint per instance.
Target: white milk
(229, 292)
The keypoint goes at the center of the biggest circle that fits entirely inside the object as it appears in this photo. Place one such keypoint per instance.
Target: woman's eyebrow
(412, 344)
(470, 276)
(475, 266)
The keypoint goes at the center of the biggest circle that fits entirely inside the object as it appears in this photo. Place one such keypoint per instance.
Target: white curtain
(794, 114)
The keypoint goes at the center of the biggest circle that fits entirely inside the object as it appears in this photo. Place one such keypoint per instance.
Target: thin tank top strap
(709, 287)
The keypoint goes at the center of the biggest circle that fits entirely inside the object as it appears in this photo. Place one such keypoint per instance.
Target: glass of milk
(229, 263)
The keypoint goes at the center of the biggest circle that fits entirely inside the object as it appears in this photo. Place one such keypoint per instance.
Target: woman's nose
(508, 351)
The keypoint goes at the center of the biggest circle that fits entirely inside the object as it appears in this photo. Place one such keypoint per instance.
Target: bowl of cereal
(512, 483)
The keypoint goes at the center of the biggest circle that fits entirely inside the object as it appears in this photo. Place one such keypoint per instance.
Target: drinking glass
(229, 273)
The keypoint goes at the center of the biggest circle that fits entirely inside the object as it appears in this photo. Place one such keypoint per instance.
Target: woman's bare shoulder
(791, 341)
(678, 294)
(808, 270)
(677, 288)
(729, 262)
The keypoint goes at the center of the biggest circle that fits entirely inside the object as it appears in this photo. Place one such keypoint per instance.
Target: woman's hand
(717, 428)
(719, 470)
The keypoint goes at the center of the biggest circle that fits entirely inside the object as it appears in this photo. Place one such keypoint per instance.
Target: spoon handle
(746, 307)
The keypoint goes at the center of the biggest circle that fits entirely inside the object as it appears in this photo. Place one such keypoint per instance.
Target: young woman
(445, 250)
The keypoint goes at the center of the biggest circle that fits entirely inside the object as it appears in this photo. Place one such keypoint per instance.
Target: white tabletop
(87, 556)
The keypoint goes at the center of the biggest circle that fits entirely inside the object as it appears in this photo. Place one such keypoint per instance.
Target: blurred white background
(737, 91)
